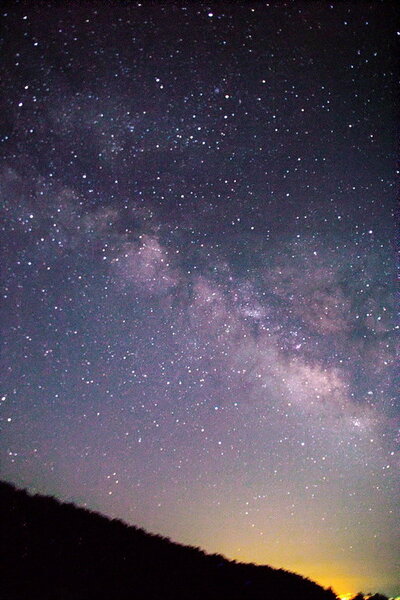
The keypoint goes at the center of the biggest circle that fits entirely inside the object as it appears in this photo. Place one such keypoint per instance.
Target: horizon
(110, 520)
(198, 275)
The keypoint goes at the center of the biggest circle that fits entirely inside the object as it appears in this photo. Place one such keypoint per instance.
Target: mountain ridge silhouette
(51, 550)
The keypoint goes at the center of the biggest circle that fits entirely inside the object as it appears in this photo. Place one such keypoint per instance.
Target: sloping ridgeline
(56, 551)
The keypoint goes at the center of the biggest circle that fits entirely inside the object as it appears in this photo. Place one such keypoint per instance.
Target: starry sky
(197, 274)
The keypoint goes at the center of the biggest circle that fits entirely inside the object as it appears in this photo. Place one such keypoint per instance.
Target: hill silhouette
(56, 551)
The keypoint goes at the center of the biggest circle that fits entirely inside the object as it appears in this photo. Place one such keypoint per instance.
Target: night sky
(198, 274)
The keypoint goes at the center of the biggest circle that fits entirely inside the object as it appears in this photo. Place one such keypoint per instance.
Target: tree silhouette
(361, 596)
(55, 551)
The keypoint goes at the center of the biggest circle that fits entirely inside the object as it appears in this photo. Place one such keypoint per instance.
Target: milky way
(198, 274)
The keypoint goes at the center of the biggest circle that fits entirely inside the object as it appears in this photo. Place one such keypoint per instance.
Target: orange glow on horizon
(366, 596)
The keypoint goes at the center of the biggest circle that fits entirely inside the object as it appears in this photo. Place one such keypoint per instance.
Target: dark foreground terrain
(56, 551)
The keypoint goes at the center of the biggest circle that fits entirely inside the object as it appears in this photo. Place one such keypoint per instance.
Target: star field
(198, 298)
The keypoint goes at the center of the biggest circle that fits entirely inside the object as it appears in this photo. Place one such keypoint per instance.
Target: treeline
(56, 551)
(361, 596)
